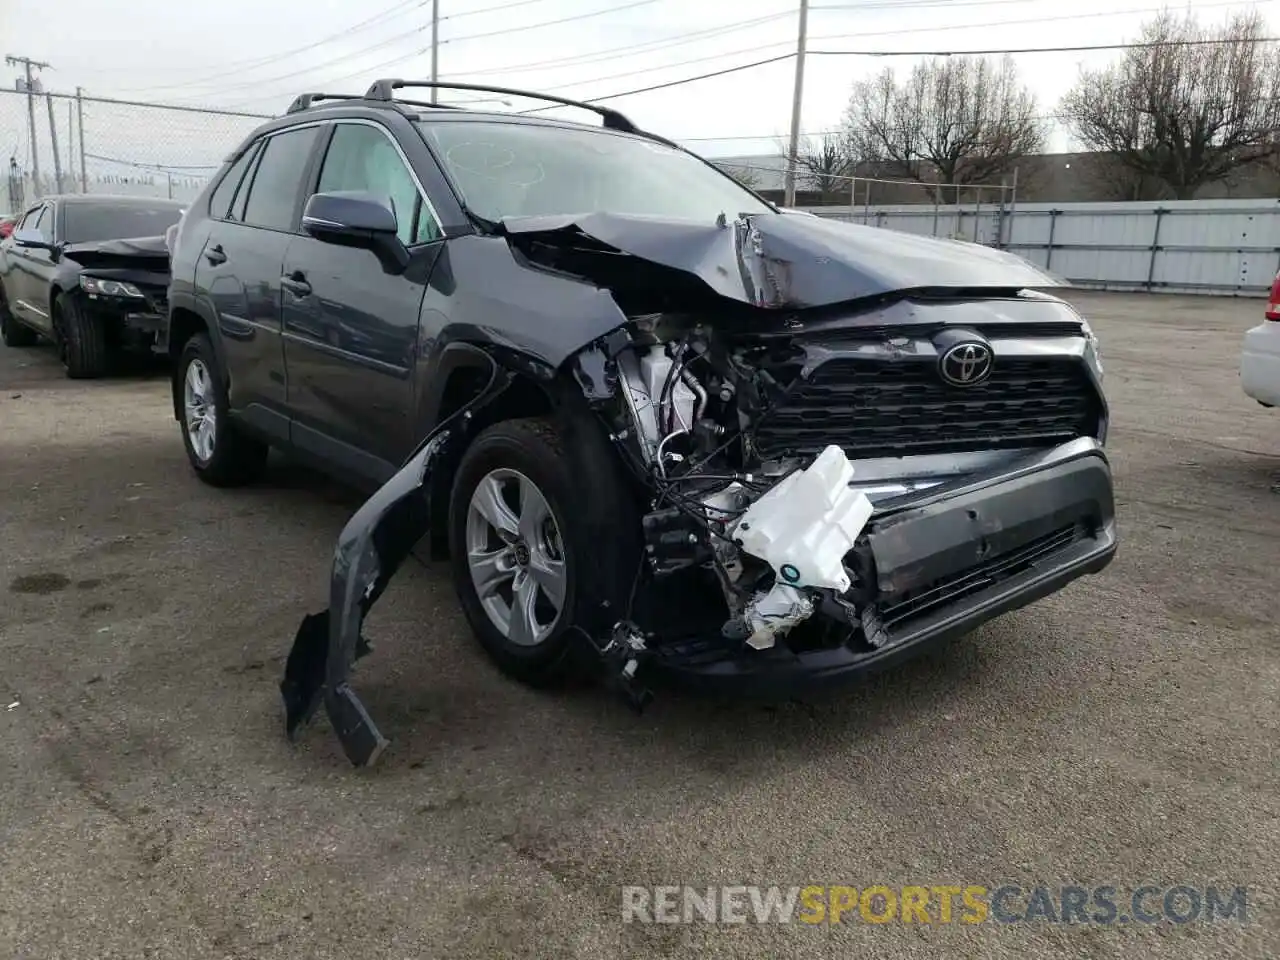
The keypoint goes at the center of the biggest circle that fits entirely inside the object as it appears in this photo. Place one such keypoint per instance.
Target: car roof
(112, 200)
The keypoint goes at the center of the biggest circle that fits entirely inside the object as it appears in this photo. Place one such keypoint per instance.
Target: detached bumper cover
(942, 564)
(371, 547)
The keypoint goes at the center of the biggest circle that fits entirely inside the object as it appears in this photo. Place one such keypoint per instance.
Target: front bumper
(938, 565)
(1260, 363)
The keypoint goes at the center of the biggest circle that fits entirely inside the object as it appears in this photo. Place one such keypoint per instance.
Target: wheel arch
(461, 372)
(186, 320)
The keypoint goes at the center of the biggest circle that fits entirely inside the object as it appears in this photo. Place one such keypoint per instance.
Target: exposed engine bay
(773, 530)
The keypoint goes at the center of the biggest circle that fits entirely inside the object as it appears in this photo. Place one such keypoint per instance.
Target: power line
(676, 83)
(1012, 50)
(896, 53)
(416, 32)
(333, 81)
(628, 50)
(275, 57)
(1014, 23)
(500, 6)
(551, 23)
(180, 107)
(150, 166)
(668, 66)
(757, 49)
(914, 4)
(417, 52)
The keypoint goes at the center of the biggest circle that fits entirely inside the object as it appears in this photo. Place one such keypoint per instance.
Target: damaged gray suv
(662, 430)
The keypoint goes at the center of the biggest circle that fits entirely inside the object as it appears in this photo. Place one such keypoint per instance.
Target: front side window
(361, 158)
(93, 222)
(273, 194)
(30, 218)
(525, 169)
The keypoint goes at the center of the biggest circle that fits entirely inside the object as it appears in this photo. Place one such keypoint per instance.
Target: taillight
(1273, 308)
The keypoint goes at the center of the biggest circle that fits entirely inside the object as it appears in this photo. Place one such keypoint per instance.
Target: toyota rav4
(659, 427)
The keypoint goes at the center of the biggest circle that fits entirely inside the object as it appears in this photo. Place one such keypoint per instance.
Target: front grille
(876, 408)
(920, 601)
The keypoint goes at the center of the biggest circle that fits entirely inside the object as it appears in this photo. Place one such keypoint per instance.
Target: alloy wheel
(516, 557)
(201, 411)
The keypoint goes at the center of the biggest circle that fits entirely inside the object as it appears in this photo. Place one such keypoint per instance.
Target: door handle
(296, 283)
(215, 255)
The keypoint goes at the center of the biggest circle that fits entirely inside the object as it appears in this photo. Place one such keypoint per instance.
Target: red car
(7, 220)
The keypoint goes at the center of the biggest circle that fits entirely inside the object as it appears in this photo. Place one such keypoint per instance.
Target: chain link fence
(63, 143)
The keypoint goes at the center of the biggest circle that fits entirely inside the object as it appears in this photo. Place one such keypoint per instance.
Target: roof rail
(385, 89)
(304, 100)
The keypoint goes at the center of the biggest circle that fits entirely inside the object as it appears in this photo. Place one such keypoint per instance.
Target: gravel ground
(1123, 731)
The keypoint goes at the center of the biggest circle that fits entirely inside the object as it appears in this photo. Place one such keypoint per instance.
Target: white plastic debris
(806, 524)
(773, 613)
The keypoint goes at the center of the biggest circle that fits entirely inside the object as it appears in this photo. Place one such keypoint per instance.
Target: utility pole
(71, 139)
(53, 137)
(797, 98)
(29, 86)
(435, 45)
(84, 176)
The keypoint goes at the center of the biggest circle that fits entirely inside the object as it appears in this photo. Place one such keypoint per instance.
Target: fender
(183, 300)
(372, 546)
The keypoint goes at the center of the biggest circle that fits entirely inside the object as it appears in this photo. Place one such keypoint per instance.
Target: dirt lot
(1124, 731)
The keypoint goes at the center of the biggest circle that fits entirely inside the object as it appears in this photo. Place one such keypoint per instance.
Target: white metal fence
(1227, 247)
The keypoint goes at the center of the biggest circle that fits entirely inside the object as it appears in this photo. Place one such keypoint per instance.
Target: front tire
(538, 542)
(12, 330)
(220, 453)
(84, 339)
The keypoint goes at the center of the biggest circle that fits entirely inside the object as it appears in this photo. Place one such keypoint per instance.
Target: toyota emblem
(966, 364)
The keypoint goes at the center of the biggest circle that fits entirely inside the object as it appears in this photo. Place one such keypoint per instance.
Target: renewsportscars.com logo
(935, 904)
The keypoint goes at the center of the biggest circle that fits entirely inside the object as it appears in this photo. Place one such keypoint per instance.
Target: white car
(1260, 358)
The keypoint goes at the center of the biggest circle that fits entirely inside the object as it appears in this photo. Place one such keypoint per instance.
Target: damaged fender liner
(939, 537)
(372, 546)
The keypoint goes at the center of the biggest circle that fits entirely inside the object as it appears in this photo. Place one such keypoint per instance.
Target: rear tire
(12, 330)
(84, 340)
(219, 451)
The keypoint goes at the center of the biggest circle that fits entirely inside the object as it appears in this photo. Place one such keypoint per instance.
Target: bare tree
(1182, 111)
(744, 175)
(953, 120)
(823, 165)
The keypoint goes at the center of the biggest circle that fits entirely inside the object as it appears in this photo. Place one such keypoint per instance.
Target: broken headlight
(1092, 350)
(109, 288)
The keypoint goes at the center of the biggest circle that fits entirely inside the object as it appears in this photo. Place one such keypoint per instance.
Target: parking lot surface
(1122, 732)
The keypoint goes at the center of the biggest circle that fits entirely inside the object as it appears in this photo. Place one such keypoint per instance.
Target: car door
(253, 213)
(33, 269)
(13, 264)
(350, 327)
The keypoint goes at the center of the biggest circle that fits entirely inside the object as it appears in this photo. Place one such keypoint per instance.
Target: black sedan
(89, 273)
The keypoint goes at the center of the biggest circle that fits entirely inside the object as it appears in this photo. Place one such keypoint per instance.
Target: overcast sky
(255, 55)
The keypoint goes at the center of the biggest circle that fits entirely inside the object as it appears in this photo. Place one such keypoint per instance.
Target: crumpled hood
(780, 260)
(146, 253)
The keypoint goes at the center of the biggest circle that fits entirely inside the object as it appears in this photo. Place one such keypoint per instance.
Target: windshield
(90, 223)
(522, 169)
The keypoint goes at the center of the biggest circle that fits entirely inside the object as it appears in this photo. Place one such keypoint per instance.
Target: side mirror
(356, 219)
(32, 240)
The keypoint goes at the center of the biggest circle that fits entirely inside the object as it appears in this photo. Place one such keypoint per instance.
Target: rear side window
(273, 195)
(224, 193)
